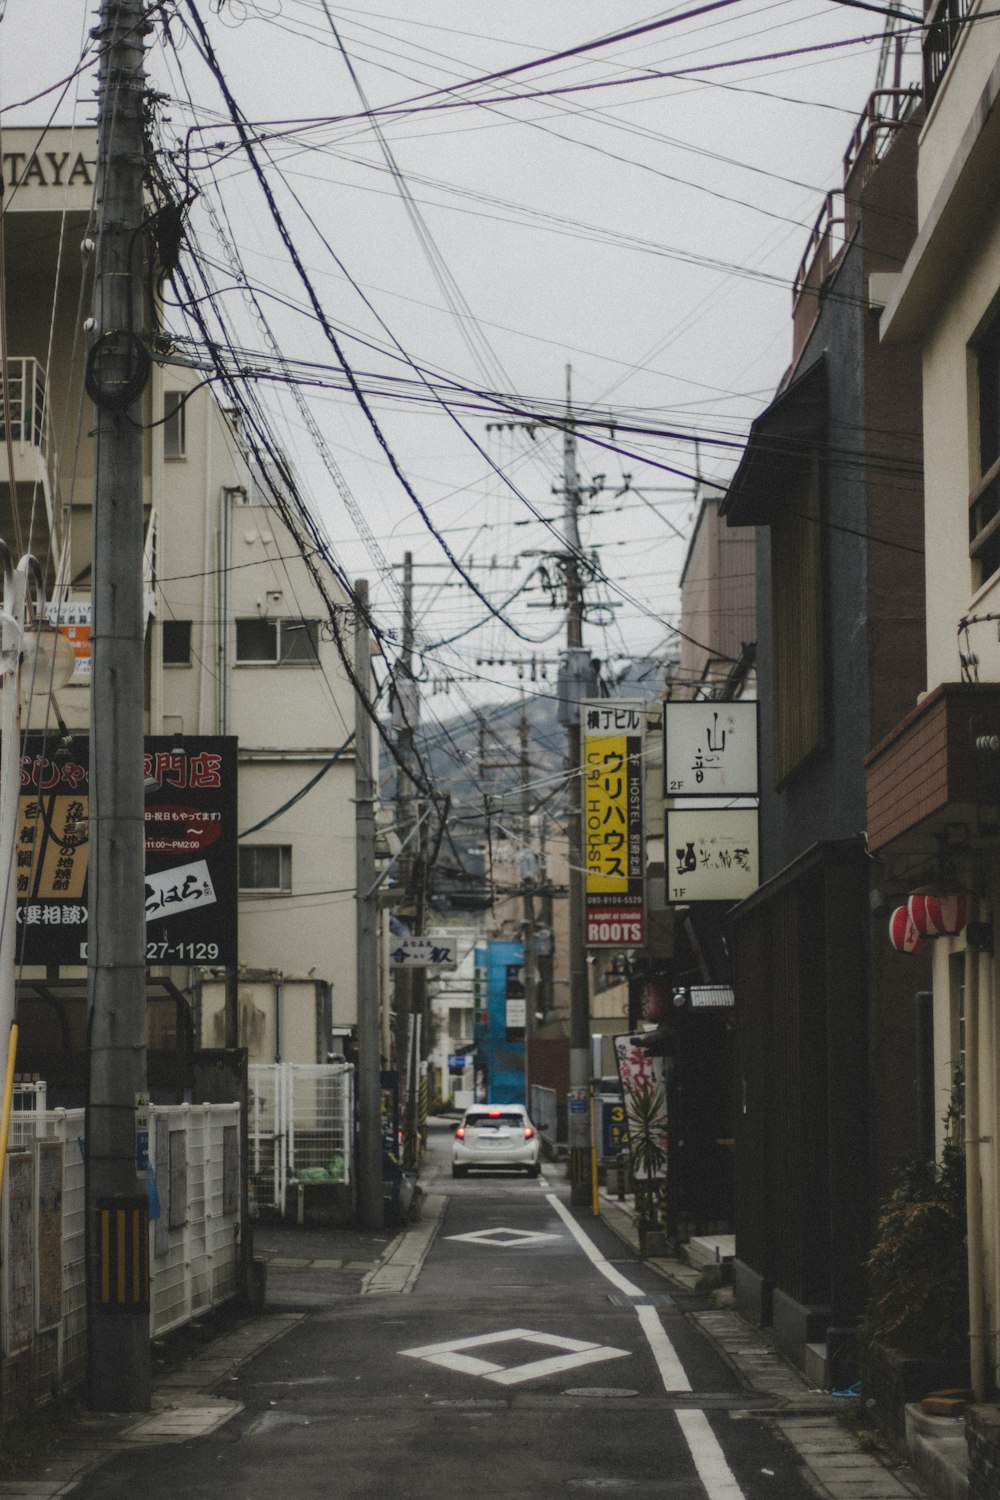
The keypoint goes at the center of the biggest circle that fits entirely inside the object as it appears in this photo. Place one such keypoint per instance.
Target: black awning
(781, 442)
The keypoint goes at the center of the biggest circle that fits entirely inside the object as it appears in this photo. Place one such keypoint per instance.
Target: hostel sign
(190, 855)
(613, 853)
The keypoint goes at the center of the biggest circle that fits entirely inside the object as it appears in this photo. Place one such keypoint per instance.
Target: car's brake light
(460, 1132)
(494, 1114)
(528, 1132)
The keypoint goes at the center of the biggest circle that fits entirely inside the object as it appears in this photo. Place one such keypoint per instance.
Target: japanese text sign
(73, 619)
(712, 854)
(423, 953)
(710, 749)
(613, 842)
(190, 850)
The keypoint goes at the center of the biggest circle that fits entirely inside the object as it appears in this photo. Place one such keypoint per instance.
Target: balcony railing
(22, 403)
(945, 26)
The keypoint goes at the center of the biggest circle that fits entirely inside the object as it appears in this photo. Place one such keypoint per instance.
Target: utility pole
(529, 876)
(370, 1208)
(410, 987)
(576, 677)
(117, 1216)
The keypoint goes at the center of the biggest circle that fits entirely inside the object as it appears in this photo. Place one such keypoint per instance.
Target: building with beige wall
(244, 636)
(933, 789)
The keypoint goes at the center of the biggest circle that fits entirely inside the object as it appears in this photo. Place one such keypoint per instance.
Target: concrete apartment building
(239, 639)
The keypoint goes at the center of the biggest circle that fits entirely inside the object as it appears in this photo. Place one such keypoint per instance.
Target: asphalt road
(534, 1357)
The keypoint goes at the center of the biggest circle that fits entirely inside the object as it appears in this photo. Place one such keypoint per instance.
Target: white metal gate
(301, 1127)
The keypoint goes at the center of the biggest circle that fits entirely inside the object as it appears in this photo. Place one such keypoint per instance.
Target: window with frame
(984, 502)
(797, 625)
(176, 643)
(460, 1023)
(174, 425)
(265, 867)
(261, 641)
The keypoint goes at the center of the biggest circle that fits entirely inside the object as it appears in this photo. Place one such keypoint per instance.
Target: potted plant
(914, 1338)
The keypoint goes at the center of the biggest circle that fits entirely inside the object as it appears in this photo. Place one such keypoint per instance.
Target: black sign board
(190, 870)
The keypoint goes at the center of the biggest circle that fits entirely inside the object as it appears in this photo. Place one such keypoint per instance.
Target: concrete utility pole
(370, 1207)
(529, 880)
(409, 988)
(576, 676)
(117, 1216)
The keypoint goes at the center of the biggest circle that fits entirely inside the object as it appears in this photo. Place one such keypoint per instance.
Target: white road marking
(670, 1368)
(709, 1460)
(557, 1364)
(504, 1238)
(591, 1251)
(573, 1353)
(480, 1341)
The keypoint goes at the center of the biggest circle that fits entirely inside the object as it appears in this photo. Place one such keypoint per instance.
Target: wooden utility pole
(117, 1218)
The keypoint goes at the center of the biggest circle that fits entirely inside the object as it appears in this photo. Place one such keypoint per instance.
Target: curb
(397, 1271)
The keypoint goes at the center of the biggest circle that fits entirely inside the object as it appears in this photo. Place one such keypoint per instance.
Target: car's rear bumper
(524, 1155)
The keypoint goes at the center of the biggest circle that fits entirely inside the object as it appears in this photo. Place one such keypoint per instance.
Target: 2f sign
(710, 749)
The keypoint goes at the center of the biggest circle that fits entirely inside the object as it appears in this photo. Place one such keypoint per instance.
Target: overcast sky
(645, 232)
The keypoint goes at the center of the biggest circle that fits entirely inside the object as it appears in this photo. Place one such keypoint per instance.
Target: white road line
(670, 1368)
(591, 1251)
(709, 1460)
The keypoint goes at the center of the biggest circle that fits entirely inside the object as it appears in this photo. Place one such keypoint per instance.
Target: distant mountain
(475, 757)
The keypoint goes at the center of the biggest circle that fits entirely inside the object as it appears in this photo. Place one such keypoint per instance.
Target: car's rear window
(497, 1117)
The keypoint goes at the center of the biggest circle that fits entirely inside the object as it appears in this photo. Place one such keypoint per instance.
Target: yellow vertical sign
(613, 837)
(605, 818)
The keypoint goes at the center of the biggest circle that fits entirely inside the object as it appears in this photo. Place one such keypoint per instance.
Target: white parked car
(496, 1135)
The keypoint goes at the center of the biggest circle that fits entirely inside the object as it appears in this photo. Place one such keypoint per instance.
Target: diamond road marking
(505, 1238)
(574, 1353)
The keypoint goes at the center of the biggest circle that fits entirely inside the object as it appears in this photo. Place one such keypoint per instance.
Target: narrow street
(534, 1355)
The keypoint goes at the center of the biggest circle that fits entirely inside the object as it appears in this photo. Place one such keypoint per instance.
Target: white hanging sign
(710, 749)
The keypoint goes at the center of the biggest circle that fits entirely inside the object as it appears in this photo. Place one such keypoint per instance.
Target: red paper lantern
(903, 935)
(938, 916)
(654, 1000)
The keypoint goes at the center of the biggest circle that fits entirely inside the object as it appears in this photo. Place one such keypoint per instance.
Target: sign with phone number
(190, 853)
(613, 844)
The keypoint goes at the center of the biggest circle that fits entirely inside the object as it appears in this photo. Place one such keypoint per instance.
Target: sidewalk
(306, 1267)
(815, 1423)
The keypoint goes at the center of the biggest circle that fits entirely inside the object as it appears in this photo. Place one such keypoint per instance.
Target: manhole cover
(608, 1392)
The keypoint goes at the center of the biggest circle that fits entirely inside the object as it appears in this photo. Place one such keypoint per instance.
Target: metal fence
(544, 1115)
(301, 1128)
(194, 1242)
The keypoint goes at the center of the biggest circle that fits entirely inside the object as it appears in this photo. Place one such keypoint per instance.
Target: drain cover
(471, 1403)
(606, 1391)
(656, 1299)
